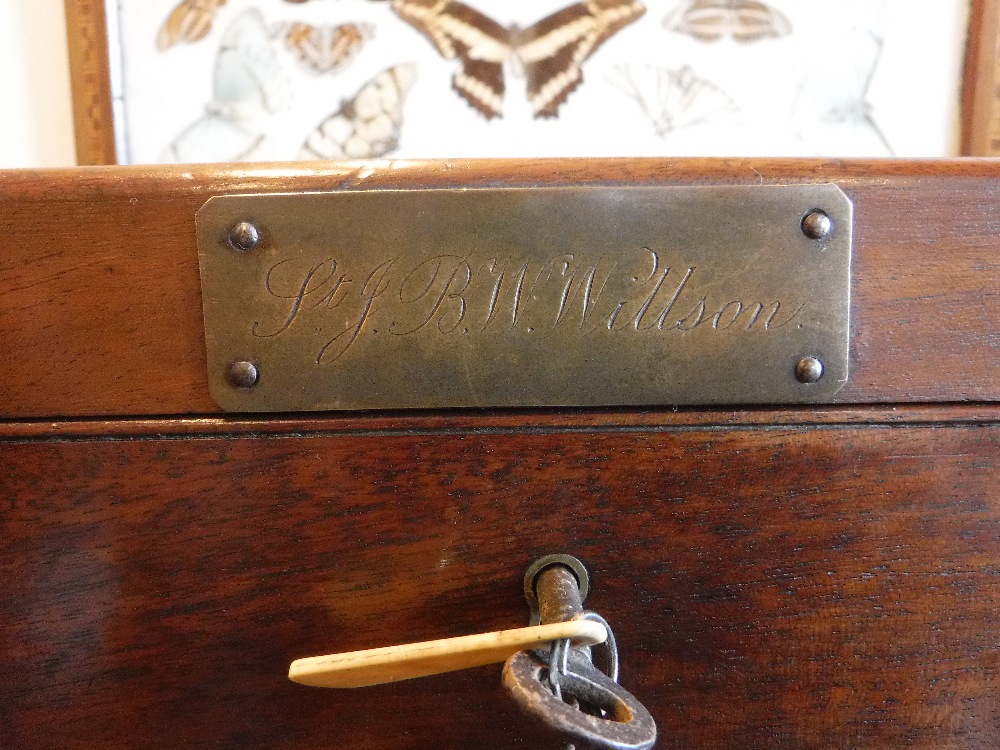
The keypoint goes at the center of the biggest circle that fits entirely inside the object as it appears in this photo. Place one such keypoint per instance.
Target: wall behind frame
(37, 127)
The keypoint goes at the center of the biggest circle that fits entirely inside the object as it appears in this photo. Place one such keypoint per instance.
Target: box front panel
(823, 586)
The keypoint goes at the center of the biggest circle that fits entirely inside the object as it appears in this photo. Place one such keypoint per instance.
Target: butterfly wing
(673, 99)
(189, 21)
(325, 49)
(753, 21)
(249, 77)
(214, 138)
(553, 50)
(704, 20)
(367, 126)
(248, 87)
(743, 20)
(480, 43)
(686, 99)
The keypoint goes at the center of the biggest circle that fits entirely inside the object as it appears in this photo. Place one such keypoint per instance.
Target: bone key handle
(393, 663)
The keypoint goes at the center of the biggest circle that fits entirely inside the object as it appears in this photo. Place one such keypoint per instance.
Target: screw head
(808, 370)
(243, 374)
(817, 224)
(244, 236)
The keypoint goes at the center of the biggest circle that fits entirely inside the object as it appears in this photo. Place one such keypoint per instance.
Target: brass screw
(243, 374)
(817, 224)
(808, 370)
(244, 236)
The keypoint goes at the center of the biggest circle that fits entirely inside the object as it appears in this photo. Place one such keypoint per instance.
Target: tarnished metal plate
(586, 296)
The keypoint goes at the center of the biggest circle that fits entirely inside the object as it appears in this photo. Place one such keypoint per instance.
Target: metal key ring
(629, 726)
(559, 653)
(610, 645)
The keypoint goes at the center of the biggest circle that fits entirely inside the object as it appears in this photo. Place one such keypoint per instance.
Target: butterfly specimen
(673, 99)
(324, 49)
(743, 20)
(368, 125)
(550, 51)
(190, 21)
(249, 86)
(833, 103)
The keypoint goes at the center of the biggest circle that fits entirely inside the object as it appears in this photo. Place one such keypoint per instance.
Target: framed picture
(260, 80)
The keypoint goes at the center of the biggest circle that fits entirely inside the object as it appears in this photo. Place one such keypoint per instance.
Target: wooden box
(812, 578)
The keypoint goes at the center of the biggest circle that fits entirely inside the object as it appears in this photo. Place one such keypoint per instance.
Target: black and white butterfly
(249, 87)
(743, 20)
(551, 51)
(367, 126)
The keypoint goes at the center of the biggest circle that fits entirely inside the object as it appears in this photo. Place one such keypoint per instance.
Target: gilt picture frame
(455, 103)
(90, 80)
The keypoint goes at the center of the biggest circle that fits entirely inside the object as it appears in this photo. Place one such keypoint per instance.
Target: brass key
(552, 684)
(562, 688)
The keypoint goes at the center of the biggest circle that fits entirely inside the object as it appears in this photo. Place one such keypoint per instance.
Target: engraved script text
(638, 292)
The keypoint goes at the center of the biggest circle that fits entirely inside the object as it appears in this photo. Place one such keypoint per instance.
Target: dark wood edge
(90, 79)
(499, 422)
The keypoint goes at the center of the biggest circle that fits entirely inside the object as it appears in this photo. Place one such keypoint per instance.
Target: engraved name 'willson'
(463, 295)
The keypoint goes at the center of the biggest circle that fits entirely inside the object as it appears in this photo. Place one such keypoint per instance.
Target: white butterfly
(832, 112)
(249, 87)
(673, 99)
(367, 126)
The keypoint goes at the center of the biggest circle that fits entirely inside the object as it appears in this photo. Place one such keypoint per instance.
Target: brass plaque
(588, 296)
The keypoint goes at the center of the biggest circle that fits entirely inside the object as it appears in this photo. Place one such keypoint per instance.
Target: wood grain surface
(100, 307)
(811, 586)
